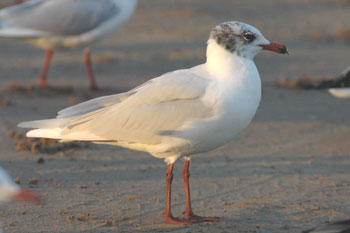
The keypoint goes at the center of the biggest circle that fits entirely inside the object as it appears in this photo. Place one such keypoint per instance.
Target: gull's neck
(223, 64)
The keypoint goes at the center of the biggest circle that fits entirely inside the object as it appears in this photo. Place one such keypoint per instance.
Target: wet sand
(288, 171)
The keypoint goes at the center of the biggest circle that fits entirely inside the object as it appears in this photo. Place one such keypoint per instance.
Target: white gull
(178, 114)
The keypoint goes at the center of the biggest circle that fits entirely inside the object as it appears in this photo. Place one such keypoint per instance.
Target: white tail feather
(57, 134)
(45, 133)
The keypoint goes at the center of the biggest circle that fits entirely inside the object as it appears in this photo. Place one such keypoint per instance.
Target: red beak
(28, 196)
(275, 47)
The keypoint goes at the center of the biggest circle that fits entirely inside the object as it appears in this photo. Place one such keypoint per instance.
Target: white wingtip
(45, 133)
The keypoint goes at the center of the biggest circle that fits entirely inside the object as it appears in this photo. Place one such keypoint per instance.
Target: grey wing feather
(161, 105)
(60, 17)
(93, 105)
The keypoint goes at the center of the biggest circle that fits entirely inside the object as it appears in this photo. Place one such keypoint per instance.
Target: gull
(178, 114)
(11, 191)
(342, 92)
(64, 24)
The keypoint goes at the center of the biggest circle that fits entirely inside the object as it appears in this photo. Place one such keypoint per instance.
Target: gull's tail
(72, 124)
(8, 25)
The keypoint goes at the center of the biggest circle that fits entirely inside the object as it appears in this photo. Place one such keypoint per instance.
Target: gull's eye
(249, 36)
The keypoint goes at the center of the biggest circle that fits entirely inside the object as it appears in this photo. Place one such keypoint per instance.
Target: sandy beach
(287, 172)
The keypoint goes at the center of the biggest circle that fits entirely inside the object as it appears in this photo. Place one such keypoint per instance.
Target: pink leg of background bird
(87, 60)
(42, 78)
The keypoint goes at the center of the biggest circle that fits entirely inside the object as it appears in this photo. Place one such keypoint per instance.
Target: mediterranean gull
(64, 24)
(178, 114)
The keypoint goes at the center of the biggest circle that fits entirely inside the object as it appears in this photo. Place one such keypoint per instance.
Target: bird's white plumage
(53, 24)
(180, 113)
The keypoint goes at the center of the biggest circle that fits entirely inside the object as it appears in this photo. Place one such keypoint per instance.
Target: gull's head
(243, 40)
(11, 191)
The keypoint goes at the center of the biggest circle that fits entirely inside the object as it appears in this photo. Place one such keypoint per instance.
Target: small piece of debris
(33, 181)
(40, 160)
(22, 212)
(84, 217)
(129, 198)
(10, 224)
(107, 223)
(69, 217)
(81, 186)
(17, 180)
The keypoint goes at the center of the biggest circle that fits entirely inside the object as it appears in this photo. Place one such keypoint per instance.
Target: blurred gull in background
(342, 92)
(178, 114)
(11, 191)
(64, 24)
(335, 227)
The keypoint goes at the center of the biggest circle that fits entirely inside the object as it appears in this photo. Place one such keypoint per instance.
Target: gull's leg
(188, 212)
(87, 61)
(167, 212)
(42, 78)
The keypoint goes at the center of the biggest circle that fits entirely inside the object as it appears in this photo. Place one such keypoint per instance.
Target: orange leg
(87, 61)
(188, 212)
(45, 69)
(167, 212)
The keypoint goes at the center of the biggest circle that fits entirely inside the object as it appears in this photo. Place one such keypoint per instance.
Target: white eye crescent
(249, 36)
